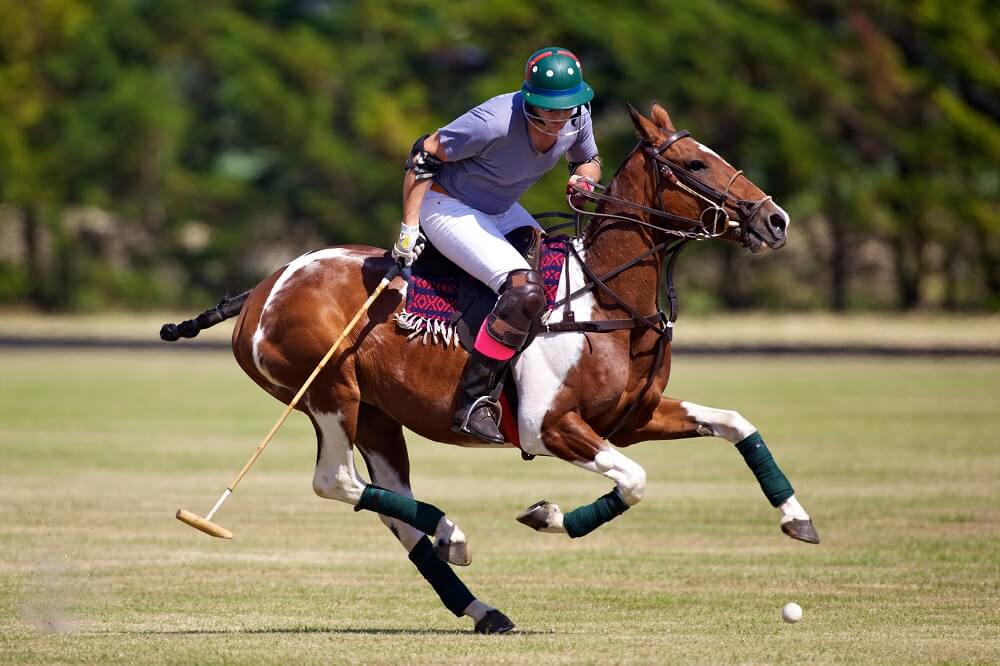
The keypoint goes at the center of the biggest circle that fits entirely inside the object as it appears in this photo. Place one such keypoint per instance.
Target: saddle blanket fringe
(420, 325)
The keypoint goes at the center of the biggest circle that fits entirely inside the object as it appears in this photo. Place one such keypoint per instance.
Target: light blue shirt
(490, 159)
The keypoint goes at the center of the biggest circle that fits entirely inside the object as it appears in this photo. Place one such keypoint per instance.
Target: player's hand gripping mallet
(205, 524)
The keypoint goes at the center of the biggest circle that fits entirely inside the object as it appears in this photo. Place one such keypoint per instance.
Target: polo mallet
(205, 524)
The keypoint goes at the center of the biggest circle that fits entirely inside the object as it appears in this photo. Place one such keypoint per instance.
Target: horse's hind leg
(674, 419)
(380, 440)
(336, 478)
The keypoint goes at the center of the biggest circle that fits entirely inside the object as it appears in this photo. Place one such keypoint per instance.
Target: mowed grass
(898, 462)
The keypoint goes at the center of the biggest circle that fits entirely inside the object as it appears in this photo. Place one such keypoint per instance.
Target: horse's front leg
(571, 439)
(675, 419)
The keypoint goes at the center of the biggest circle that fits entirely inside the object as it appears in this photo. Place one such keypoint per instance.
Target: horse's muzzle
(769, 227)
(777, 225)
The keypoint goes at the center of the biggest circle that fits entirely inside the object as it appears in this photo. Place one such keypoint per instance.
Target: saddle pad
(434, 297)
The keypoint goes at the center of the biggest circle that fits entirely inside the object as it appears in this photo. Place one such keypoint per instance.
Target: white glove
(408, 246)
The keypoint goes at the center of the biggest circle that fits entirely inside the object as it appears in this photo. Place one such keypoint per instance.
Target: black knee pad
(522, 300)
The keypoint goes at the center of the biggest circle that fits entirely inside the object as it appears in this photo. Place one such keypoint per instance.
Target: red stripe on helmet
(537, 58)
(567, 53)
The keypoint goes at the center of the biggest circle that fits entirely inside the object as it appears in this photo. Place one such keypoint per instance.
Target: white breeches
(474, 240)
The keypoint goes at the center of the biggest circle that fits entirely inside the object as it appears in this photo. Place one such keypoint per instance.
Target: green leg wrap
(772, 480)
(454, 594)
(588, 518)
(424, 517)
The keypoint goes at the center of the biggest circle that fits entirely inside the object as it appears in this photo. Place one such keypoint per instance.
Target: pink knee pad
(486, 345)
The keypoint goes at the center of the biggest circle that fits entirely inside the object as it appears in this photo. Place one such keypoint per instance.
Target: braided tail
(226, 309)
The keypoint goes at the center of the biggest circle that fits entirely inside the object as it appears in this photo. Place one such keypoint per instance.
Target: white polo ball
(791, 613)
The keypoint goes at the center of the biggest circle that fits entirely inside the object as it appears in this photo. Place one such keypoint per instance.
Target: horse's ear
(645, 129)
(661, 117)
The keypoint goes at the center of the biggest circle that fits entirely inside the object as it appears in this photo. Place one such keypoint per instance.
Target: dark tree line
(161, 152)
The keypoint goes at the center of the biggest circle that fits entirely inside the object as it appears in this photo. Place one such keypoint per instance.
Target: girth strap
(657, 322)
(605, 325)
(663, 331)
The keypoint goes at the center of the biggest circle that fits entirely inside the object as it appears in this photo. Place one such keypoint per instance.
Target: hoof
(453, 552)
(494, 622)
(801, 530)
(542, 516)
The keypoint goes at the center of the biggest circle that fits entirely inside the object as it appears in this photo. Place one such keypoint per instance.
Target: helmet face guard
(553, 79)
(572, 125)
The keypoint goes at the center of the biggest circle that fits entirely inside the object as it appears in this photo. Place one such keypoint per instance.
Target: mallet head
(206, 526)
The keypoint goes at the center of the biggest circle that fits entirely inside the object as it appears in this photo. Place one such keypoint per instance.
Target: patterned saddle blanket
(444, 305)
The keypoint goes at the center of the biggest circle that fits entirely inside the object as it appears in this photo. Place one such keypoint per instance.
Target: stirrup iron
(487, 399)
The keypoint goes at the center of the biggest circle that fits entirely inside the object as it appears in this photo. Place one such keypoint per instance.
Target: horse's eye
(696, 165)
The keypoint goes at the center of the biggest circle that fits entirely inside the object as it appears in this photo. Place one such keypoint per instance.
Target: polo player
(461, 189)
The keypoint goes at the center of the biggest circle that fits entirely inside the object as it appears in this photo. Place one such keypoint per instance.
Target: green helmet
(553, 80)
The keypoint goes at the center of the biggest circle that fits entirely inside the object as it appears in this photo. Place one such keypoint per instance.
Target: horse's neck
(610, 243)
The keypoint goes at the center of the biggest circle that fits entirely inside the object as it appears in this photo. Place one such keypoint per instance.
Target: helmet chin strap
(534, 121)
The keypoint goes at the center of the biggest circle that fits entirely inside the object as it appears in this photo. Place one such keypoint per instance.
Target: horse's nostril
(778, 222)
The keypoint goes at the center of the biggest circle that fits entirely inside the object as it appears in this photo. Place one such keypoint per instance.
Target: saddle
(445, 305)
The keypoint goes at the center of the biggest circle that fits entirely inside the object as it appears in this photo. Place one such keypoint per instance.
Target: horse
(590, 384)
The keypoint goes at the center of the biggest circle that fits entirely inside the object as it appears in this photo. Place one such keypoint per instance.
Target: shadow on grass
(305, 630)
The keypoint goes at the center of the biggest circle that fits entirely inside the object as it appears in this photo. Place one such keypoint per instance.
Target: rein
(681, 178)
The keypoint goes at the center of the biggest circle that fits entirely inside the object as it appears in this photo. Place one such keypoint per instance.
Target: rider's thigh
(515, 218)
(470, 238)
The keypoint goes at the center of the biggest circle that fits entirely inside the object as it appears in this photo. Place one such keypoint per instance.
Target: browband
(671, 140)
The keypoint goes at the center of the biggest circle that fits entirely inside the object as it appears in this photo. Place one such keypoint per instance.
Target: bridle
(716, 200)
(714, 220)
(716, 223)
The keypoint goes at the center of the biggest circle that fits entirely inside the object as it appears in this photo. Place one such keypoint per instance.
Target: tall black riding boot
(478, 412)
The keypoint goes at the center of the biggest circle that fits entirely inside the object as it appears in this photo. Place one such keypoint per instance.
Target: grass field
(898, 462)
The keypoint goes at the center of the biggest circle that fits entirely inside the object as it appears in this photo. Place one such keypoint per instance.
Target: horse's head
(694, 182)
